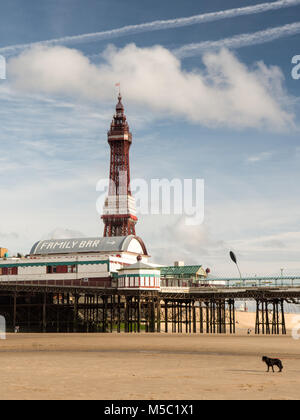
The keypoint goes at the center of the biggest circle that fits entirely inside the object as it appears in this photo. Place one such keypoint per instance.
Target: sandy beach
(148, 366)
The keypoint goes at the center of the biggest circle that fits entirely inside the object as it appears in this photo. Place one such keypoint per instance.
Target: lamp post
(281, 271)
(234, 259)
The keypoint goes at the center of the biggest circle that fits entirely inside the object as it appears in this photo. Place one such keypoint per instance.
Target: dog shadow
(245, 370)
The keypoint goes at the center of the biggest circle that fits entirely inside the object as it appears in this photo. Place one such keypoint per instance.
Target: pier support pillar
(262, 323)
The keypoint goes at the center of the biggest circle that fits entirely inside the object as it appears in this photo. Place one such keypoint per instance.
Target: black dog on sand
(272, 362)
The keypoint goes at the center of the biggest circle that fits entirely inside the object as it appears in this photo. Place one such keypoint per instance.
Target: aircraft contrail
(238, 41)
(154, 26)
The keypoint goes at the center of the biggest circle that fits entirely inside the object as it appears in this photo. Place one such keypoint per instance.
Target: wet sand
(147, 366)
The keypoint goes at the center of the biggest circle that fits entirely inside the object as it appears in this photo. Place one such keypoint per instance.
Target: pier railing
(182, 285)
(248, 282)
(231, 282)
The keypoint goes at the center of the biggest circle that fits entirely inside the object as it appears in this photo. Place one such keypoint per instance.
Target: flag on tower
(119, 86)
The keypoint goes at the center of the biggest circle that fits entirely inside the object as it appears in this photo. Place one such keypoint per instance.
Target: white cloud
(226, 92)
(284, 241)
(259, 157)
(62, 233)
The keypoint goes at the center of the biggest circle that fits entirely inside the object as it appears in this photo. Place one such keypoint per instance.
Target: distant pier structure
(106, 284)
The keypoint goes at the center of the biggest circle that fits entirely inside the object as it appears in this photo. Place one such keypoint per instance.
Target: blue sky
(216, 115)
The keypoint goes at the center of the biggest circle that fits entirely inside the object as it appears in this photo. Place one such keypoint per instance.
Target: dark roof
(186, 270)
(80, 245)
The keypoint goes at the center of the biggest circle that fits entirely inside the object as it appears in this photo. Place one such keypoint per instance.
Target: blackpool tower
(119, 213)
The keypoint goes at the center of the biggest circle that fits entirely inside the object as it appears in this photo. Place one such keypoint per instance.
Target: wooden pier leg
(263, 317)
(180, 317)
(84, 309)
(257, 322)
(207, 317)
(139, 314)
(177, 315)
(75, 314)
(277, 316)
(219, 317)
(131, 317)
(147, 315)
(194, 319)
(273, 318)
(179, 324)
(90, 313)
(130, 314)
(190, 317)
(95, 318)
(119, 314)
(233, 316)
(112, 305)
(86, 312)
(176, 327)
(96, 313)
(224, 317)
(146, 310)
(104, 313)
(126, 314)
(283, 327)
(214, 316)
(186, 318)
(210, 317)
(230, 315)
(223, 320)
(152, 316)
(166, 316)
(57, 313)
(135, 313)
(201, 317)
(15, 311)
(69, 312)
(267, 318)
(158, 315)
(44, 313)
(172, 316)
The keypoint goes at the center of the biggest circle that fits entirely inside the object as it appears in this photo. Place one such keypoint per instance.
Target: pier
(206, 310)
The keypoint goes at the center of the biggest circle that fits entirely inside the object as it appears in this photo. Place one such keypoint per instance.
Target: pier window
(9, 271)
(72, 268)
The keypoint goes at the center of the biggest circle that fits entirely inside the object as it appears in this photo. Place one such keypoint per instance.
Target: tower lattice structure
(119, 213)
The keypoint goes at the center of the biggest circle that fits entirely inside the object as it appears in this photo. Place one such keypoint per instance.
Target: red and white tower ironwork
(119, 213)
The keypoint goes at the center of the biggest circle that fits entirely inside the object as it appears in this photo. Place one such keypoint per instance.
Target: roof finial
(119, 107)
